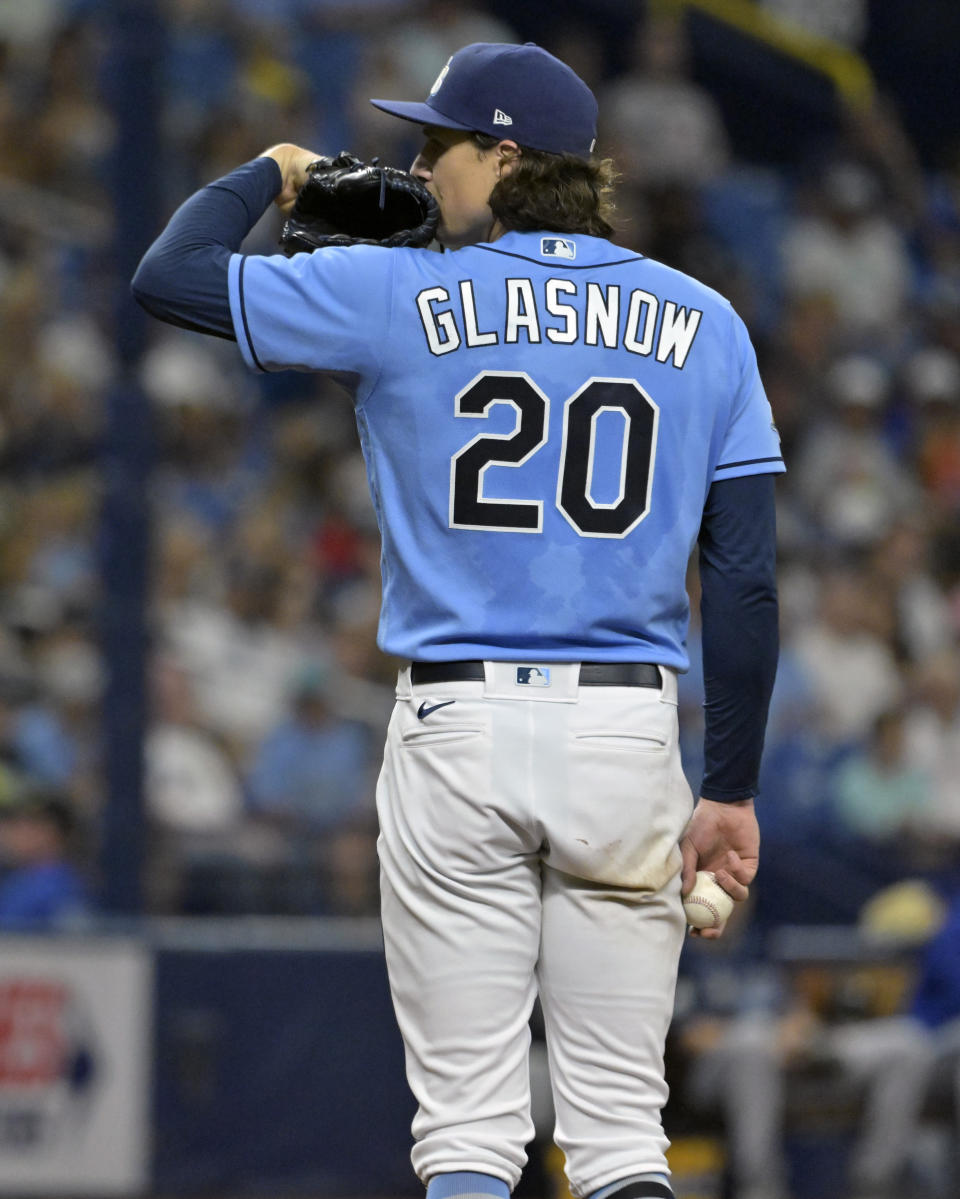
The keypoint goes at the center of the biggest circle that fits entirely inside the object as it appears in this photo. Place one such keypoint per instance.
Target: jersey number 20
(469, 509)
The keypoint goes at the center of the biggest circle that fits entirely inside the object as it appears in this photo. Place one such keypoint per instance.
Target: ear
(508, 153)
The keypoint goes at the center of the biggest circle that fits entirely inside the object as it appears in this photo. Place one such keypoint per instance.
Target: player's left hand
(725, 839)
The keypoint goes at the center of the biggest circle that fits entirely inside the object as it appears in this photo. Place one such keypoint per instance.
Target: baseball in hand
(707, 905)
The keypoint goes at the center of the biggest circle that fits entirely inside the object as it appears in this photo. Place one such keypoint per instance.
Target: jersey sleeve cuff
(238, 311)
(719, 795)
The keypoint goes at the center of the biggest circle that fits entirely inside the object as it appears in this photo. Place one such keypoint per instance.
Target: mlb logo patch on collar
(558, 247)
(533, 676)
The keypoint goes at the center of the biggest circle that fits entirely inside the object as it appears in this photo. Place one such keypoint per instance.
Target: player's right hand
(725, 839)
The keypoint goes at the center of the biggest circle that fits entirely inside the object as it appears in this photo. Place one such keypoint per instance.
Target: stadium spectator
(878, 794)
(192, 787)
(932, 377)
(901, 575)
(662, 129)
(847, 476)
(850, 664)
(932, 735)
(237, 655)
(847, 248)
(40, 887)
(312, 773)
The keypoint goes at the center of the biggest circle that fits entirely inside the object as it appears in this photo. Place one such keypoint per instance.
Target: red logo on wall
(32, 1044)
(46, 1061)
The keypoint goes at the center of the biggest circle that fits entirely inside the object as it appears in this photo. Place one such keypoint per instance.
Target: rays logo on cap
(440, 78)
(558, 247)
(533, 676)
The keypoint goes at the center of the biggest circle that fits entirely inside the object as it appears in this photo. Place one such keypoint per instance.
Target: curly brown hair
(558, 193)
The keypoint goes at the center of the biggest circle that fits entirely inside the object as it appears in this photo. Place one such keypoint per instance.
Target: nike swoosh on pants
(423, 711)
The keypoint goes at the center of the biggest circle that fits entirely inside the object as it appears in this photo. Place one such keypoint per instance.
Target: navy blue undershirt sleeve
(740, 631)
(182, 278)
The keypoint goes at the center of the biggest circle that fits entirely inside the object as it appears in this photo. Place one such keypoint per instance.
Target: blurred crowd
(268, 697)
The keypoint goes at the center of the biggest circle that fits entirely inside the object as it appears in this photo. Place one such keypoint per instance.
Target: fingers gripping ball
(346, 202)
(707, 905)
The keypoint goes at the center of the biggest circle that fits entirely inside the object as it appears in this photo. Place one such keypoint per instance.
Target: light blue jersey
(542, 418)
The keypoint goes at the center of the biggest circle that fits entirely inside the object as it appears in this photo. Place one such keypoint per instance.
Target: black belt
(592, 674)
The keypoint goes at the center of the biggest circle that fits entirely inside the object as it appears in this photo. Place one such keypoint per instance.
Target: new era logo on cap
(501, 118)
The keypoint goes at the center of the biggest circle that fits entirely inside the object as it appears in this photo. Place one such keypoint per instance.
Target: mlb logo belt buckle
(556, 683)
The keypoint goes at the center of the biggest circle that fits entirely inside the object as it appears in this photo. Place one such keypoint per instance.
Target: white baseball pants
(529, 841)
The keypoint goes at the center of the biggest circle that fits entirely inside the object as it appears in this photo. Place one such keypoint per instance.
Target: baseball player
(550, 423)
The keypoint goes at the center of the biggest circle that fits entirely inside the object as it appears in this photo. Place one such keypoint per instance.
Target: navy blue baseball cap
(519, 92)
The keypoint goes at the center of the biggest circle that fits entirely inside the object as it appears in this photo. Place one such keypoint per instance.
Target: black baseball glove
(346, 202)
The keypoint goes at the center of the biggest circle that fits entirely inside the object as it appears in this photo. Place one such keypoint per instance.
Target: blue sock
(625, 1182)
(463, 1183)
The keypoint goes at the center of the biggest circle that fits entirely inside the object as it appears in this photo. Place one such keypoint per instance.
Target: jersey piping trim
(243, 313)
(748, 462)
(552, 266)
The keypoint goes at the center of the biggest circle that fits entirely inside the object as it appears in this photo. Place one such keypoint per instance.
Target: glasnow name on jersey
(611, 317)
